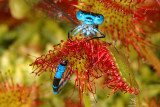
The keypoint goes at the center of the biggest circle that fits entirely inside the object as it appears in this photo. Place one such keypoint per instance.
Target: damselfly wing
(56, 8)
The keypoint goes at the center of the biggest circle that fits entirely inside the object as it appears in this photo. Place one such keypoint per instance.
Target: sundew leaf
(89, 60)
(17, 95)
(124, 68)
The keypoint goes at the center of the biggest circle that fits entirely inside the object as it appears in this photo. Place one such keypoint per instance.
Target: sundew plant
(90, 61)
(119, 70)
(16, 94)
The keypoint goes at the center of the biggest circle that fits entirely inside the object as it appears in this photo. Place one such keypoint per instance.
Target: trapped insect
(88, 27)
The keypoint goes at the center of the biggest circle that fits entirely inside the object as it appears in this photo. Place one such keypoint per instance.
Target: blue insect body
(89, 26)
(60, 70)
(58, 82)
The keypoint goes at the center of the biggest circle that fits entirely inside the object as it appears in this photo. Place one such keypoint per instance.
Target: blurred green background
(26, 34)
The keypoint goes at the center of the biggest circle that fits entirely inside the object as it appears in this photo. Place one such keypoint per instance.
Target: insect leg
(78, 27)
(77, 31)
(97, 31)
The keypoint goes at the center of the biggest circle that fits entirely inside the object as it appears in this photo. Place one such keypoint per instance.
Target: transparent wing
(56, 8)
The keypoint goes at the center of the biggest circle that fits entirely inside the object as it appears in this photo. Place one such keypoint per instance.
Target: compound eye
(79, 15)
(99, 19)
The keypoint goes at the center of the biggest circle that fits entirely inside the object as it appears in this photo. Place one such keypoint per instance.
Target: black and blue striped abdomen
(60, 70)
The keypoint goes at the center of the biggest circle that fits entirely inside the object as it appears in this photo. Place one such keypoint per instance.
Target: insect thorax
(88, 30)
